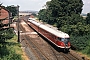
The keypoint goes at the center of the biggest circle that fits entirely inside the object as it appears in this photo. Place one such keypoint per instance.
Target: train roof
(49, 29)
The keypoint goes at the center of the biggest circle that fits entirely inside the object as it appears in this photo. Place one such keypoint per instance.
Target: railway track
(40, 49)
(64, 55)
(38, 54)
(69, 56)
(37, 48)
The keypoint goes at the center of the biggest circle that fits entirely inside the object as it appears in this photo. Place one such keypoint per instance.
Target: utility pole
(17, 8)
(18, 24)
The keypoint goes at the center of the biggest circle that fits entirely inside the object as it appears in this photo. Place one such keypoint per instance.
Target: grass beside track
(11, 50)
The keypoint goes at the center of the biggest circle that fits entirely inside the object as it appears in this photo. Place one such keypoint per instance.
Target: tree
(42, 14)
(64, 13)
(13, 10)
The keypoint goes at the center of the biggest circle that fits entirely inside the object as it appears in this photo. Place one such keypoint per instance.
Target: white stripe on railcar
(55, 32)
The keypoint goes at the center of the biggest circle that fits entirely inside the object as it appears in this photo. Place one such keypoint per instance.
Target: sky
(36, 5)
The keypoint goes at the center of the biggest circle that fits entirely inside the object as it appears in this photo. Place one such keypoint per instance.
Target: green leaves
(9, 47)
(6, 34)
(12, 10)
(65, 15)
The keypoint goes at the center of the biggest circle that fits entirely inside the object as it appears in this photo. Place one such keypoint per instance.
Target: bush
(76, 30)
(10, 50)
(9, 45)
(80, 42)
(6, 34)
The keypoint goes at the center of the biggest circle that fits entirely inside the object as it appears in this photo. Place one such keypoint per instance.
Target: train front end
(64, 42)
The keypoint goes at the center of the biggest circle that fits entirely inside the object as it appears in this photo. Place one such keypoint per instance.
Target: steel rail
(29, 43)
(67, 56)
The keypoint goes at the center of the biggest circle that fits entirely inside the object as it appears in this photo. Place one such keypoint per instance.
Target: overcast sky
(36, 5)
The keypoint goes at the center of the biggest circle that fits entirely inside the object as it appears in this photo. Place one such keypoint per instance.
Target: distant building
(84, 15)
(24, 13)
(4, 15)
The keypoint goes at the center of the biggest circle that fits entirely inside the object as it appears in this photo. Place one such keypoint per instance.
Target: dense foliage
(5, 34)
(13, 10)
(7, 46)
(65, 14)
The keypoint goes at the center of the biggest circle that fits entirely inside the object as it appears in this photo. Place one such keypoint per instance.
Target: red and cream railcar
(59, 38)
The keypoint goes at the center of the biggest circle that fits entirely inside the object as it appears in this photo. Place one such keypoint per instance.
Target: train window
(59, 38)
(65, 39)
(62, 39)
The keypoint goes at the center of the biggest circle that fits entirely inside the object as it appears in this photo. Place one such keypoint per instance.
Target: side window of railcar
(58, 38)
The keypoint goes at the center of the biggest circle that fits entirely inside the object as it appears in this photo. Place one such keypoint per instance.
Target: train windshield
(65, 40)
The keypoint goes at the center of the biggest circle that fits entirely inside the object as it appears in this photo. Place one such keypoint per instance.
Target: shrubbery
(6, 34)
(80, 42)
(9, 45)
(7, 52)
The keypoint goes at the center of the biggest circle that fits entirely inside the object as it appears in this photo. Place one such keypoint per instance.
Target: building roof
(4, 13)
